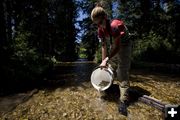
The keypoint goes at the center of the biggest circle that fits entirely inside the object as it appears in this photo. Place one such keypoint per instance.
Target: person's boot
(124, 101)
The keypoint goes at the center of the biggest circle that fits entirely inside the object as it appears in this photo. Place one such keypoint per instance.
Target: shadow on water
(68, 74)
(62, 75)
(74, 74)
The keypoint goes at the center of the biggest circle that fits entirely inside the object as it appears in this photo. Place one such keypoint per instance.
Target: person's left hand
(104, 62)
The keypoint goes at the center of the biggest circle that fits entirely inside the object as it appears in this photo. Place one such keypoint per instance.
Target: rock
(65, 114)
(110, 117)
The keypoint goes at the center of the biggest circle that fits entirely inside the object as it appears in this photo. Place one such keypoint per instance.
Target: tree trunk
(2, 25)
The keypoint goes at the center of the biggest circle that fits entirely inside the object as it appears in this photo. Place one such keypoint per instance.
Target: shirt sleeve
(117, 28)
(121, 29)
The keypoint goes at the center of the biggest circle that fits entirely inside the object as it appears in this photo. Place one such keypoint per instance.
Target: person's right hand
(104, 62)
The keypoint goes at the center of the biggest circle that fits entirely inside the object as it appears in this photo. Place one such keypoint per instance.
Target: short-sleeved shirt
(117, 28)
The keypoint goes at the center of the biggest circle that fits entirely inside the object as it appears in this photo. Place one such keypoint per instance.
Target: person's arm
(104, 53)
(102, 39)
(113, 52)
(116, 47)
(104, 49)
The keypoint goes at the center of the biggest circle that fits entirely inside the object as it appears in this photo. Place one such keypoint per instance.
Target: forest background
(35, 35)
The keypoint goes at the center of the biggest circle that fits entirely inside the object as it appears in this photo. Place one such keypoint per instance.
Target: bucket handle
(102, 68)
(99, 67)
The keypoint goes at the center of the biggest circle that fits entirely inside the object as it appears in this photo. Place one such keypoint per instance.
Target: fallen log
(152, 102)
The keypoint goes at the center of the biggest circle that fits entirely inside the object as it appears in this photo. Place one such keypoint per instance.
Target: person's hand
(104, 62)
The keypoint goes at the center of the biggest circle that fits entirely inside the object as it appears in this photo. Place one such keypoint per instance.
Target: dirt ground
(80, 101)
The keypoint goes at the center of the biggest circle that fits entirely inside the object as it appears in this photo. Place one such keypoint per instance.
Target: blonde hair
(98, 11)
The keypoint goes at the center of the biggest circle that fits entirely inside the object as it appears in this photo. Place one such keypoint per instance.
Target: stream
(68, 94)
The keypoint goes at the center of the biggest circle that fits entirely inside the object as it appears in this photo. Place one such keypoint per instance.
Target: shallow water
(75, 98)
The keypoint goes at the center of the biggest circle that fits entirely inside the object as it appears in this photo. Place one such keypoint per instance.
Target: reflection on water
(76, 70)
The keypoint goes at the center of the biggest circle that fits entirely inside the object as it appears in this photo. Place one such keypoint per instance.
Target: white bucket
(102, 78)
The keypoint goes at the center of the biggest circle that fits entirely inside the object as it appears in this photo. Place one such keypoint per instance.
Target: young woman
(116, 49)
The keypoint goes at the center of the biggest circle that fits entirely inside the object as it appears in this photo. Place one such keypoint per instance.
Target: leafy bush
(82, 53)
(25, 63)
(153, 47)
(98, 56)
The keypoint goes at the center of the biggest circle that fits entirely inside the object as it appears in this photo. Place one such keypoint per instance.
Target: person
(116, 50)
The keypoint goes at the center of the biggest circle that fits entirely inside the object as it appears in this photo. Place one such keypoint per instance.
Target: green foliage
(82, 53)
(156, 30)
(25, 62)
(35, 34)
(98, 56)
(23, 52)
(153, 47)
(152, 40)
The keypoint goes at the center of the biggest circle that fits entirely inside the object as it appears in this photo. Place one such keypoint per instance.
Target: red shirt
(116, 28)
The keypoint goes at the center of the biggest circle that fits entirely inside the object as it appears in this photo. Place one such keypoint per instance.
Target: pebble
(65, 114)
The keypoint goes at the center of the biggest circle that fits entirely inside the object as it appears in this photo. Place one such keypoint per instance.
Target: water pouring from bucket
(102, 78)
